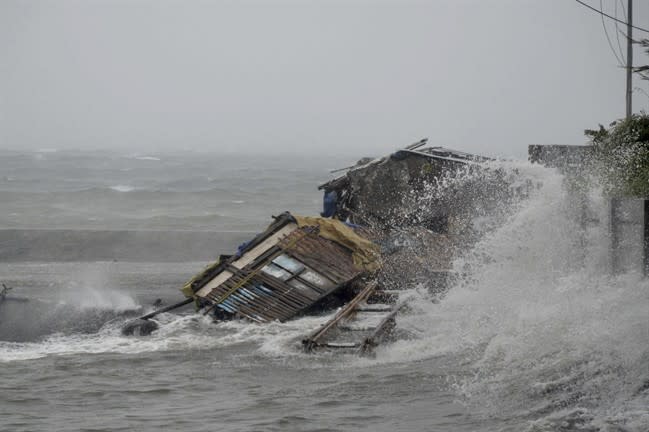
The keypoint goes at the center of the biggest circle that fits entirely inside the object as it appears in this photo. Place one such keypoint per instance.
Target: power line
(642, 90)
(623, 8)
(610, 17)
(610, 44)
(629, 65)
(617, 29)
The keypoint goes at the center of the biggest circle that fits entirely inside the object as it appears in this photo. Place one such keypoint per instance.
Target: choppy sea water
(537, 336)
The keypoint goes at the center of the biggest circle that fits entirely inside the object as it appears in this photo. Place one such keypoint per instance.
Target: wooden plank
(282, 301)
(370, 342)
(313, 340)
(262, 305)
(271, 241)
(247, 258)
(342, 345)
(274, 305)
(219, 279)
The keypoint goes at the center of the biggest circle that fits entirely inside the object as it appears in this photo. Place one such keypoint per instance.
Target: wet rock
(139, 327)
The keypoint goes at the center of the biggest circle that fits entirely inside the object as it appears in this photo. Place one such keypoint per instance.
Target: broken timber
(304, 264)
(295, 264)
(350, 329)
(4, 292)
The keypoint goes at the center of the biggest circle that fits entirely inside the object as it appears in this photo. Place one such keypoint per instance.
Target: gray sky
(351, 77)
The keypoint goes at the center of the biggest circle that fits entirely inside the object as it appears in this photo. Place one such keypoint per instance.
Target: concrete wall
(627, 234)
(137, 246)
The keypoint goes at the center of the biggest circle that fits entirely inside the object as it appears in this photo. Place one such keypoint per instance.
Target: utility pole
(615, 203)
(629, 60)
(629, 112)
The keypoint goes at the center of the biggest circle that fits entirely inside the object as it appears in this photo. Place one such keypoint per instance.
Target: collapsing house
(298, 265)
(291, 267)
(386, 223)
(424, 202)
(395, 190)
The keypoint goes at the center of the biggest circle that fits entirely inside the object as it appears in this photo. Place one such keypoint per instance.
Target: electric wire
(608, 39)
(638, 89)
(623, 8)
(618, 31)
(609, 16)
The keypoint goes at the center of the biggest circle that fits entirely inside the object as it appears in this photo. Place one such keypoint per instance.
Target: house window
(296, 274)
(316, 279)
(276, 272)
(289, 264)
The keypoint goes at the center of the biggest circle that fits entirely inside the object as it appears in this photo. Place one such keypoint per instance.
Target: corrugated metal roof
(416, 149)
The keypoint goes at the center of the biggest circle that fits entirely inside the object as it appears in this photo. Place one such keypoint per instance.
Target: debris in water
(379, 217)
(4, 292)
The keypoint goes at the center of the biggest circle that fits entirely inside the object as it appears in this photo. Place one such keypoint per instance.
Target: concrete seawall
(18, 245)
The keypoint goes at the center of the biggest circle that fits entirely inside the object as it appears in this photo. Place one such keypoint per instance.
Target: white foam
(188, 332)
(122, 188)
(177, 333)
(537, 305)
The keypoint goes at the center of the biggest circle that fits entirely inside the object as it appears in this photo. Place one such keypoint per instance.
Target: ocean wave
(543, 332)
(122, 188)
(175, 333)
(171, 189)
(172, 335)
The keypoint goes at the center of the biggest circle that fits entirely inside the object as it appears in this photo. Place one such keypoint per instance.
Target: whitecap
(122, 188)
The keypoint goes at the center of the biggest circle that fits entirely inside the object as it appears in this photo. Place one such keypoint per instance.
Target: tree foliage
(621, 153)
(643, 71)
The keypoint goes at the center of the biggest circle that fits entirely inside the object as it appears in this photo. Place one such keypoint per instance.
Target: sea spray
(534, 335)
(551, 337)
(79, 301)
(92, 288)
(190, 332)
